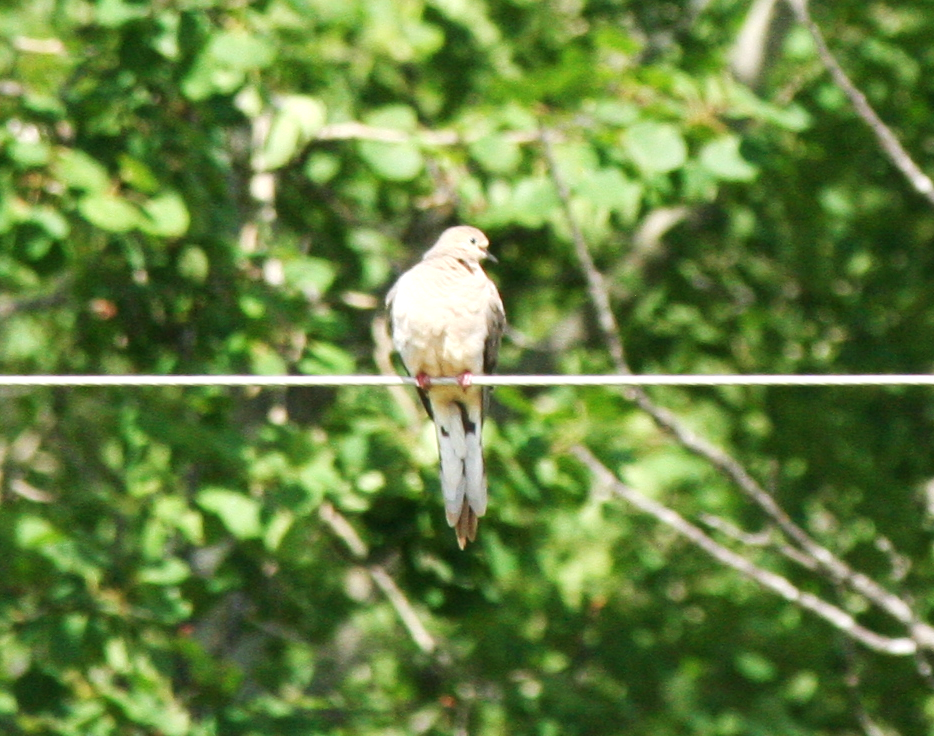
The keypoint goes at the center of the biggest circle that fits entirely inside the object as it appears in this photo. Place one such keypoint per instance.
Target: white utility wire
(883, 379)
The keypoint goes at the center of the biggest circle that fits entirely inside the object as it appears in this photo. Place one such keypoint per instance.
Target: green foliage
(220, 187)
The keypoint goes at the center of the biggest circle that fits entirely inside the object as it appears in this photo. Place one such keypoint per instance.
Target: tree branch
(763, 540)
(834, 615)
(596, 285)
(838, 570)
(383, 580)
(890, 144)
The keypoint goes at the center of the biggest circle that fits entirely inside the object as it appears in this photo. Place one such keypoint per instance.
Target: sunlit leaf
(656, 148)
(298, 118)
(721, 157)
(166, 216)
(110, 212)
(78, 170)
(611, 189)
(311, 275)
(393, 161)
(194, 264)
(171, 571)
(496, 153)
(237, 512)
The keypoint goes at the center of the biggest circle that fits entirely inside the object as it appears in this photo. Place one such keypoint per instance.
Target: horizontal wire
(556, 380)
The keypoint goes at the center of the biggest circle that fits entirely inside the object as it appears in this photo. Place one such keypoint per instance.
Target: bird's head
(463, 242)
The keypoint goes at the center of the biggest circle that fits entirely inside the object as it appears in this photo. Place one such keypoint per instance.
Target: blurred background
(231, 186)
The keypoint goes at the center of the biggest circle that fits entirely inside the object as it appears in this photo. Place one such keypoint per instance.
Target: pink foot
(423, 380)
(465, 379)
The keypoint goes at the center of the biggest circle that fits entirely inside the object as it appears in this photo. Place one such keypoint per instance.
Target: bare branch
(890, 144)
(384, 581)
(764, 540)
(838, 570)
(832, 614)
(596, 285)
(729, 529)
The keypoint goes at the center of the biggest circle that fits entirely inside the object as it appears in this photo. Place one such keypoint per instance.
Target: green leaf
(22, 339)
(194, 264)
(138, 175)
(609, 188)
(278, 527)
(496, 153)
(114, 13)
(171, 571)
(399, 117)
(33, 532)
(109, 212)
(176, 513)
(577, 161)
(322, 167)
(166, 216)
(400, 161)
(721, 157)
(265, 361)
(77, 170)
(534, 200)
(698, 182)
(238, 513)
(239, 49)
(293, 125)
(755, 667)
(223, 64)
(50, 220)
(656, 148)
(29, 154)
(392, 161)
(252, 306)
(615, 112)
(37, 247)
(324, 359)
(313, 276)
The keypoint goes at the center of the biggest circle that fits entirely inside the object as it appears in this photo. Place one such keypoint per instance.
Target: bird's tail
(458, 420)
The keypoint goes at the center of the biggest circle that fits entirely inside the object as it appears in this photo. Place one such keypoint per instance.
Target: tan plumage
(447, 319)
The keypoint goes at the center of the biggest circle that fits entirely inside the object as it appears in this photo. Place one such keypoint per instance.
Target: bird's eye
(473, 241)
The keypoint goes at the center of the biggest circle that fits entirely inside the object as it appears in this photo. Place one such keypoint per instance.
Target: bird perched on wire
(447, 319)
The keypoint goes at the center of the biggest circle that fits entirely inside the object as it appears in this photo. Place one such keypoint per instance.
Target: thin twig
(830, 613)
(596, 285)
(896, 153)
(383, 580)
(837, 569)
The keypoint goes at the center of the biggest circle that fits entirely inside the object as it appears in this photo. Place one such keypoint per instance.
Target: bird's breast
(440, 333)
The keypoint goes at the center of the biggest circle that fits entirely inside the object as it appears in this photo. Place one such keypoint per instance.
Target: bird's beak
(490, 257)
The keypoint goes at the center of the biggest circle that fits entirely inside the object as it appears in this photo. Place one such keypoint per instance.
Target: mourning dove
(447, 319)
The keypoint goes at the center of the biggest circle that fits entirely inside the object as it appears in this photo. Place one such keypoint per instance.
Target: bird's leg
(465, 379)
(423, 380)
